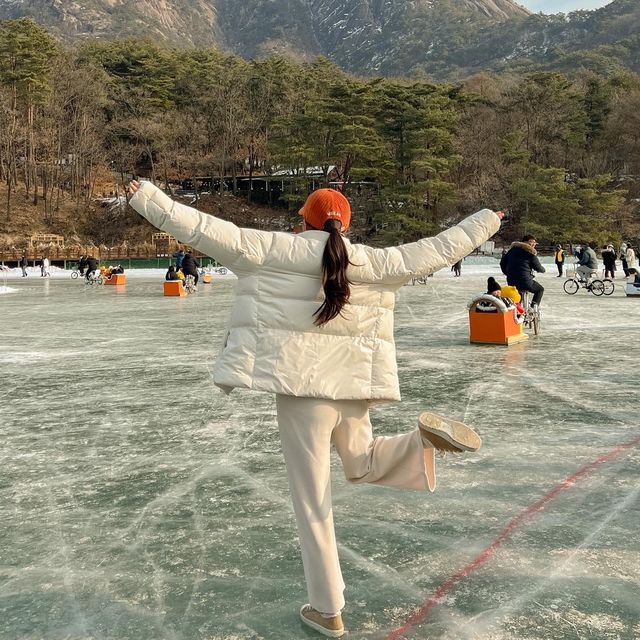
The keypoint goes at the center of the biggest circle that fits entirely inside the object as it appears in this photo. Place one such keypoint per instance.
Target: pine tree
(26, 54)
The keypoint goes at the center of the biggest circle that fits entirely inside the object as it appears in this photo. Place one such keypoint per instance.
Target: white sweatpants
(308, 427)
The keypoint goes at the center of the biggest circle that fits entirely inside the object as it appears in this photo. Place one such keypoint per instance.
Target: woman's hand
(500, 214)
(134, 185)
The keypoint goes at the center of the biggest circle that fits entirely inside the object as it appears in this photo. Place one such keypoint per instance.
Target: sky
(558, 6)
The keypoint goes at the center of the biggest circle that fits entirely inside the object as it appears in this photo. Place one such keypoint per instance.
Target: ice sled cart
(174, 288)
(116, 278)
(492, 322)
(633, 290)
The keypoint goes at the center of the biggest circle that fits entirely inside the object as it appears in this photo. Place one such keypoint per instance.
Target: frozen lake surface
(139, 503)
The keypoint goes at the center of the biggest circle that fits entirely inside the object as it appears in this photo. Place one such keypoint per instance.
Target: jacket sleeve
(536, 265)
(426, 256)
(503, 263)
(243, 249)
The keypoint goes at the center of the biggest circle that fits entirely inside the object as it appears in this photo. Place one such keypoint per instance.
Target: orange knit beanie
(326, 204)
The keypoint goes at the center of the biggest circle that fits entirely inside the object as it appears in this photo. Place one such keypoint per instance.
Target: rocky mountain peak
(436, 38)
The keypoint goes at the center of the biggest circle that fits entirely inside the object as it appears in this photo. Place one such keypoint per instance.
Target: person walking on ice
(313, 323)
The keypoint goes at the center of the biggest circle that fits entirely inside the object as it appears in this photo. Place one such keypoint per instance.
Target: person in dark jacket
(92, 265)
(179, 256)
(24, 263)
(82, 264)
(609, 260)
(190, 266)
(636, 275)
(519, 263)
(171, 274)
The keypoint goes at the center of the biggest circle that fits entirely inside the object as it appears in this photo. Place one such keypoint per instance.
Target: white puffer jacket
(272, 343)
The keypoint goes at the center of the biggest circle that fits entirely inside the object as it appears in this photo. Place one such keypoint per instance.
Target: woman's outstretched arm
(224, 241)
(426, 256)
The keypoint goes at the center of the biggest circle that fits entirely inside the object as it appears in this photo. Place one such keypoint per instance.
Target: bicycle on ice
(594, 284)
(190, 284)
(531, 320)
(94, 278)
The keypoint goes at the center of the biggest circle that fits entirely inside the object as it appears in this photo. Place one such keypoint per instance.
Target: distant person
(631, 258)
(609, 260)
(635, 274)
(171, 274)
(82, 265)
(92, 266)
(112, 271)
(24, 263)
(635, 284)
(179, 256)
(587, 262)
(623, 259)
(559, 259)
(457, 269)
(190, 267)
(44, 267)
(519, 263)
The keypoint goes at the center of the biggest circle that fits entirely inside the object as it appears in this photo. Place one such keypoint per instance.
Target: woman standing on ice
(313, 323)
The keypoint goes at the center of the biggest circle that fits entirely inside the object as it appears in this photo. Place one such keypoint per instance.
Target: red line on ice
(421, 613)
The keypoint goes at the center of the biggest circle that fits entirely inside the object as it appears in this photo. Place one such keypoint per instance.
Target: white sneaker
(330, 627)
(446, 434)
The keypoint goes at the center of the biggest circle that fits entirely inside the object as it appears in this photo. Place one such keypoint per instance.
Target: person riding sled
(313, 323)
(509, 295)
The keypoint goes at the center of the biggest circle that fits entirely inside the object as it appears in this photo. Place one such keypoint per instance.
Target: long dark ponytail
(335, 283)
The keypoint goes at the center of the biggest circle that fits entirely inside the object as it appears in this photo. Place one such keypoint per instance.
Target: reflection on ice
(138, 502)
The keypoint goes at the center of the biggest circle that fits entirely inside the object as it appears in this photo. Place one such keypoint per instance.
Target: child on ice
(313, 323)
(508, 294)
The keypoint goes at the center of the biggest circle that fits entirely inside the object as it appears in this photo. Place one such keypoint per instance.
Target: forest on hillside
(560, 154)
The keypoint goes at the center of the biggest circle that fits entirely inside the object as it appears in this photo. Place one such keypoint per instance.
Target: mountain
(180, 22)
(366, 36)
(603, 40)
(443, 39)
